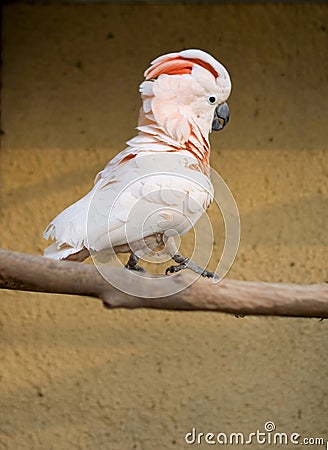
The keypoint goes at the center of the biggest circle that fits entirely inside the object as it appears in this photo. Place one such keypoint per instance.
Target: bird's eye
(212, 99)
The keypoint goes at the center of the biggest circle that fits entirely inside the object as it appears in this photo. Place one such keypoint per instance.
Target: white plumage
(160, 181)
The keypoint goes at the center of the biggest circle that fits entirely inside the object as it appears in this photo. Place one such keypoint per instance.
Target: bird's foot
(136, 267)
(186, 263)
(132, 264)
(175, 269)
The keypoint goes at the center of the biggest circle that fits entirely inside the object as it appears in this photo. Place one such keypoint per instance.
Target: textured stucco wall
(74, 376)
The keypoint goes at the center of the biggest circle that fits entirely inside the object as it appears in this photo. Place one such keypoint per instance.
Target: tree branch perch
(24, 272)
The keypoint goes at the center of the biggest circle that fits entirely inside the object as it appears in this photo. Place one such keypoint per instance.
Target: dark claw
(132, 264)
(208, 274)
(136, 267)
(174, 269)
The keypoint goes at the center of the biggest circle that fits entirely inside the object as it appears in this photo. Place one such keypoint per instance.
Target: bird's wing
(145, 195)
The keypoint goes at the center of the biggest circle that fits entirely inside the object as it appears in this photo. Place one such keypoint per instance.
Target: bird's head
(184, 95)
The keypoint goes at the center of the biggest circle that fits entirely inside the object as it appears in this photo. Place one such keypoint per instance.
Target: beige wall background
(76, 376)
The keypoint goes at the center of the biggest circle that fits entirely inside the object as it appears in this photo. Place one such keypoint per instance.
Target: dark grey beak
(221, 117)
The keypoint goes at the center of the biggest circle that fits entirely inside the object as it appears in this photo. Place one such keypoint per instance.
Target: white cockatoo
(160, 181)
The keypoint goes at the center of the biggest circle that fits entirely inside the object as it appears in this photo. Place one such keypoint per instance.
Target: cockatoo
(160, 181)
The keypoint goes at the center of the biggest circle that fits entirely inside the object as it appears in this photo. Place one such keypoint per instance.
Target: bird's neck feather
(153, 137)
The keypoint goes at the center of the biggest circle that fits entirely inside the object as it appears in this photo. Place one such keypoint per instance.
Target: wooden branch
(36, 273)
